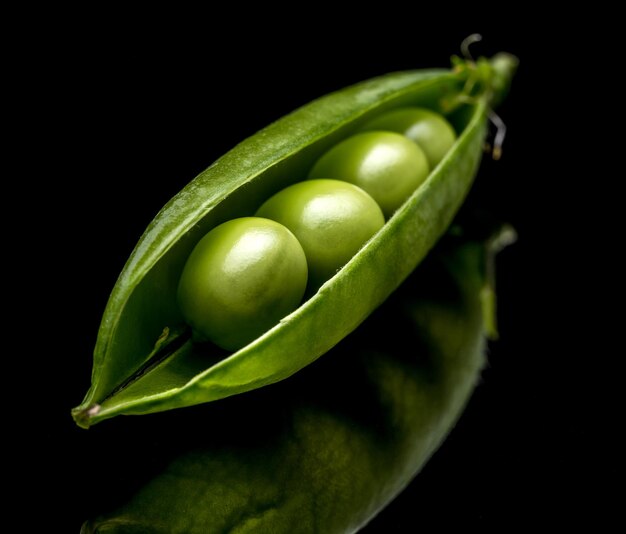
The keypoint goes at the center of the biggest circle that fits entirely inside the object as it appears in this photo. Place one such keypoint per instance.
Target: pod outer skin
(235, 186)
(324, 451)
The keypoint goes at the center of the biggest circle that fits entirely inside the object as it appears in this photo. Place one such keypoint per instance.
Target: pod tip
(82, 416)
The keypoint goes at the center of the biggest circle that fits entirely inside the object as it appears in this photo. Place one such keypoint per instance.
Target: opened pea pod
(184, 327)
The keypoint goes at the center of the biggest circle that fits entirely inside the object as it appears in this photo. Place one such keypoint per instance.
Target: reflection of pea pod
(133, 376)
(325, 450)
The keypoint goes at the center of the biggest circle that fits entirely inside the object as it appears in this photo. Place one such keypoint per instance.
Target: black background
(124, 122)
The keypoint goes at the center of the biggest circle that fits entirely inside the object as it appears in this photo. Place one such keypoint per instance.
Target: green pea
(385, 164)
(432, 132)
(241, 279)
(331, 219)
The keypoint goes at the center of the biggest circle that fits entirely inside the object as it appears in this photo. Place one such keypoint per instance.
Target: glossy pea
(331, 219)
(385, 164)
(430, 130)
(241, 279)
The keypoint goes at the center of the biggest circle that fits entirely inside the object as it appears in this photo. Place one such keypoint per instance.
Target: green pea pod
(329, 458)
(142, 362)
